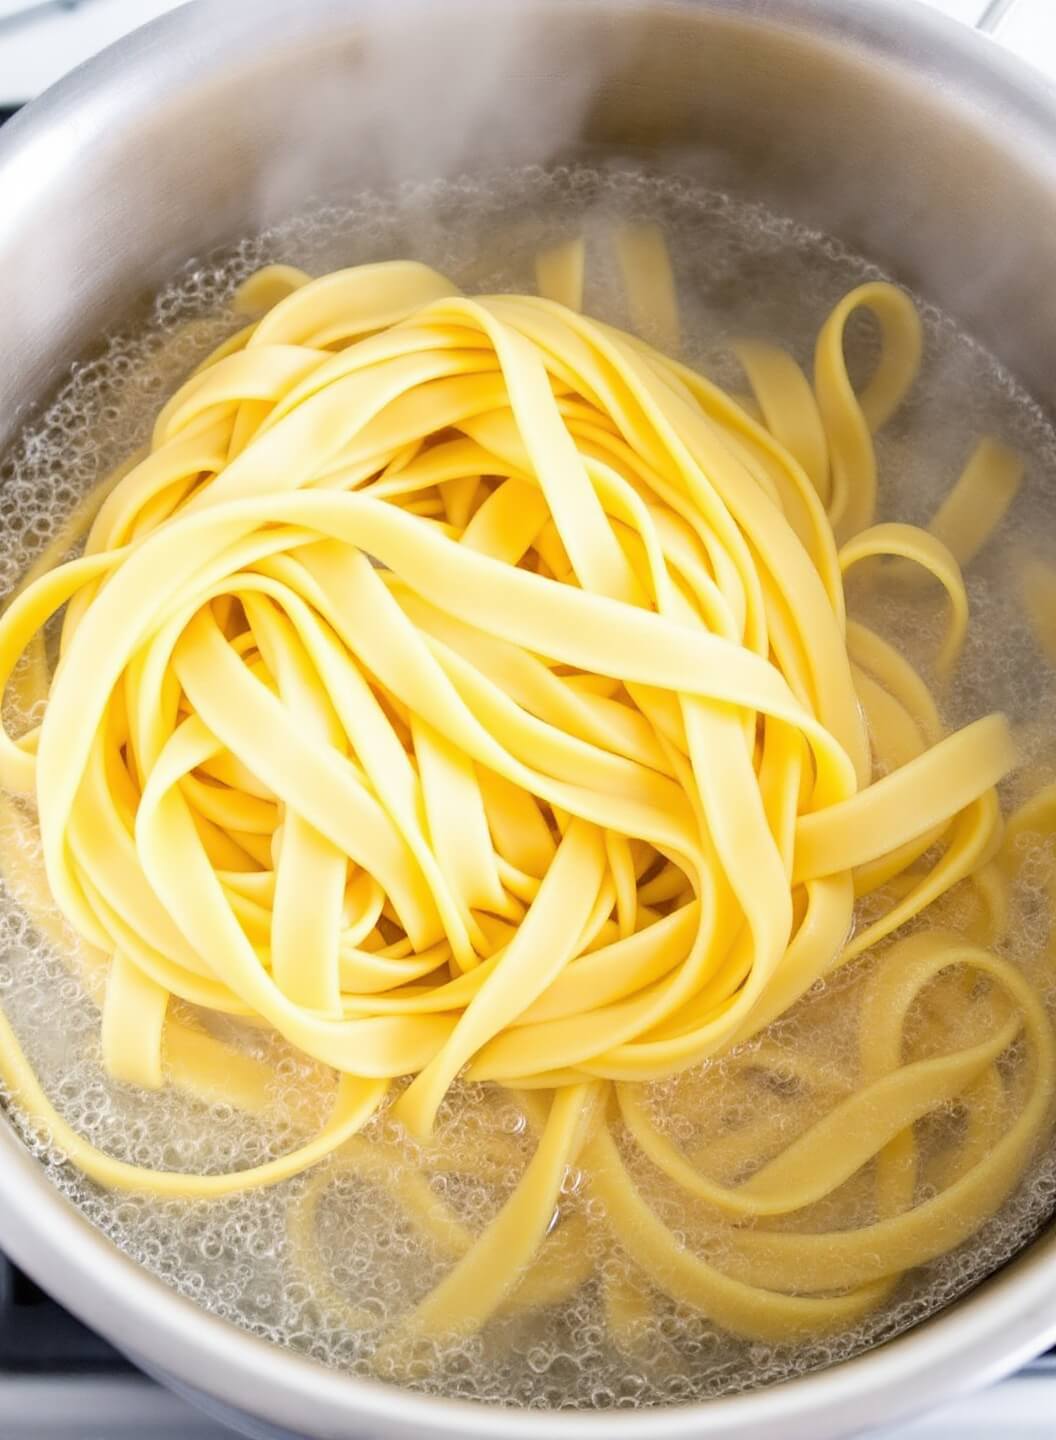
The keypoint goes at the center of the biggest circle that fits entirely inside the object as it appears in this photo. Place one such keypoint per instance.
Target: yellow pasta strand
(650, 284)
(977, 503)
(462, 687)
(560, 270)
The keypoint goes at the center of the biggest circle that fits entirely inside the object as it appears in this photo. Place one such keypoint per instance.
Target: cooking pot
(918, 142)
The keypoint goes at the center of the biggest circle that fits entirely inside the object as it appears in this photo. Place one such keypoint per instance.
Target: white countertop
(42, 39)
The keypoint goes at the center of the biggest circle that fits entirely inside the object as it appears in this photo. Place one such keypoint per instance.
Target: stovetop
(59, 1381)
(38, 1338)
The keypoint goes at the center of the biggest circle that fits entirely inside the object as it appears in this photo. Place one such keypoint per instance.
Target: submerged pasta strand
(459, 686)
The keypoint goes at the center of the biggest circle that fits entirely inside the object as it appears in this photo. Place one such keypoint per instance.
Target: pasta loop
(460, 687)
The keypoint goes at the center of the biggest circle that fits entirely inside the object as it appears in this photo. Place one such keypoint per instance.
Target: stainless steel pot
(917, 141)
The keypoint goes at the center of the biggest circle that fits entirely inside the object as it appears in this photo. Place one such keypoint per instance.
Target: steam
(407, 101)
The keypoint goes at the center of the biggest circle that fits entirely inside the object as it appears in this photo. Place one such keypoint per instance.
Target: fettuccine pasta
(460, 687)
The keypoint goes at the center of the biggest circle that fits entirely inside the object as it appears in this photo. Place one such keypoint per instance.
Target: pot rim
(999, 1325)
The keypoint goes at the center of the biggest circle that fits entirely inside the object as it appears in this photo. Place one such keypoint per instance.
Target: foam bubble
(740, 270)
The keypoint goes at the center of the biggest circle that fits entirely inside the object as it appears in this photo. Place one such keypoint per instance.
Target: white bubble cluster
(740, 270)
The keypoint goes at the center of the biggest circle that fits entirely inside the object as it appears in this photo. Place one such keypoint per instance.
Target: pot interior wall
(186, 137)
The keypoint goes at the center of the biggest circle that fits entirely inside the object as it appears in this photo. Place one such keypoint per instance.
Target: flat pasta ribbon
(462, 687)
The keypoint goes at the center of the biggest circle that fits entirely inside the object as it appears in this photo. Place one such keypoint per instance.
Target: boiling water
(740, 271)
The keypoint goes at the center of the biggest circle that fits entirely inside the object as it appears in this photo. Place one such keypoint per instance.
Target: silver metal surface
(917, 141)
(993, 15)
(19, 12)
(130, 1408)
